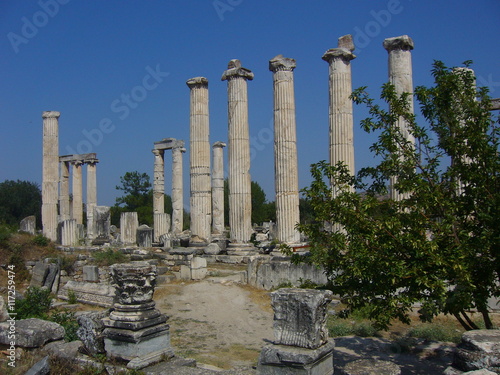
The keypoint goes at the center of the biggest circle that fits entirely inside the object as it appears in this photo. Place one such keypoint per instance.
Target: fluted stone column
(129, 222)
(159, 181)
(68, 232)
(50, 173)
(285, 150)
(161, 226)
(64, 210)
(77, 192)
(177, 186)
(340, 108)
(91, 195)
(200, 200)
(218, 188)
(240, 198)
(400, 75)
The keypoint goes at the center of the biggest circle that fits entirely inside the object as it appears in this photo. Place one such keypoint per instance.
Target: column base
(292, 360)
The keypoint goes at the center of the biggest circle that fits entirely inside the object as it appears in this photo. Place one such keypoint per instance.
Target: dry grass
(258, 296)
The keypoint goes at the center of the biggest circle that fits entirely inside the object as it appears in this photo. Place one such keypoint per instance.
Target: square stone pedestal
(140, 348)
(292, 360)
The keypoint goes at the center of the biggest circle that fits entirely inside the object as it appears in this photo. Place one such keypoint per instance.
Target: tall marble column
(159, 181)
(77, 192)
(199, 152)
(91, 194)
(240, 198)
(400, 75)
(340, 108)
(285, 150)
(177, 186)
(218, 188)
(50, 173)
(64, 210)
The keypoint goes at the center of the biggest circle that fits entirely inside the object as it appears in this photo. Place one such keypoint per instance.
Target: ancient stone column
(400, 75)
(159, 181)
(177, 186)
(68, 235)
(285, 150)
(64, 207)
(77, 191)
(50, 173)
(129, 223)
(91, 195)
(240, 197)
(161, 225)
(218, 188)
(200, 202)
(340, 109)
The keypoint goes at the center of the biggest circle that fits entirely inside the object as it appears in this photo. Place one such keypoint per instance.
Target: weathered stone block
(90, 332)
(40, 272)
(185, 272)
(212, 249)
(28, 225)
(92, 293)
(198, 262)
(129, 223)
(371, 367)
(32, 333)
(90, 273)
(198, 273)
(289, 360)
(144, 236)
(42, 367)
(479, 349)
(300, 317)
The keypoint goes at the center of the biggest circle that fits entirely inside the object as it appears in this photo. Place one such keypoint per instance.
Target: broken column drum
(200, 201)
(240, 198)
(340, 107)
(400, 75)
(285, 150)
(50, 173)
(218, 188)
(135, 330)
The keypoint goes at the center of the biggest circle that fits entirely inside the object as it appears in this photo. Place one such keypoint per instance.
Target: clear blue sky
(79, 57)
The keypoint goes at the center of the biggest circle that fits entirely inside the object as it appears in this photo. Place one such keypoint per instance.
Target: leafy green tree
(440, 244)
(19, 199)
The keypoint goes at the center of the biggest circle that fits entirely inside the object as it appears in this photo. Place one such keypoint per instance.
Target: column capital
(197, 82)
(51, 114)
(178, 143)
(279, 63)
(77, 163)
(157, 152)
(403, 42)
(91, 161)
(342, 53)
(219, 144)
(235, 70)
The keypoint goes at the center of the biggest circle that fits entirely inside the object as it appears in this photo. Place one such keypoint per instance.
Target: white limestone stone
(77, 192)
(218, 188)
(129, 222)
(91, 195)
(177, 189)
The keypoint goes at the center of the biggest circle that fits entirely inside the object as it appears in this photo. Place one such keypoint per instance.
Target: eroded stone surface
(90, 331)
(479, 349)
(300, 317)
(32, 333)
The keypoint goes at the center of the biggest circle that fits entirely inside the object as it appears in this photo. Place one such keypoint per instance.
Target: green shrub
(307, 284)
(5, 233)
(68, 320)
(109, 257)
(67, 264)
(365, 329)
(36, 304)
(435, 332)
(339, 327)
(40, 240)
(72, 298)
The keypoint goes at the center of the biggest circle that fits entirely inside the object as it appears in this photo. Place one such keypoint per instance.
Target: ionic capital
(91, 161)
(403, 42)
(342, 53)
(197, 82)
(219, 144)
(280, 63)
(77, 163)
(51, 114)
(157, 152)
(235, 70)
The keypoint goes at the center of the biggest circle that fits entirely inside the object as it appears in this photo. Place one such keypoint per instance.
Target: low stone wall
(271, 272)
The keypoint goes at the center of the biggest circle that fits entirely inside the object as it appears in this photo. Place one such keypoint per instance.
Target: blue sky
(82, 58)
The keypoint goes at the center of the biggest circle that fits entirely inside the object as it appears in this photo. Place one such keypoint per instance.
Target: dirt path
(217, 322)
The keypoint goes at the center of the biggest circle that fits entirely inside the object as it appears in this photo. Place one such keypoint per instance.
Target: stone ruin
(135, 331)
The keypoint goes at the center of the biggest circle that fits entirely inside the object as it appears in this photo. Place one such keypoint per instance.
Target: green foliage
(109, 257)
(438, 245)
(339, 326)
(5, 234)
(40, 240)
(66, 319)
(435, 332)
(35, 304)
(72, 298)
(19, 199)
